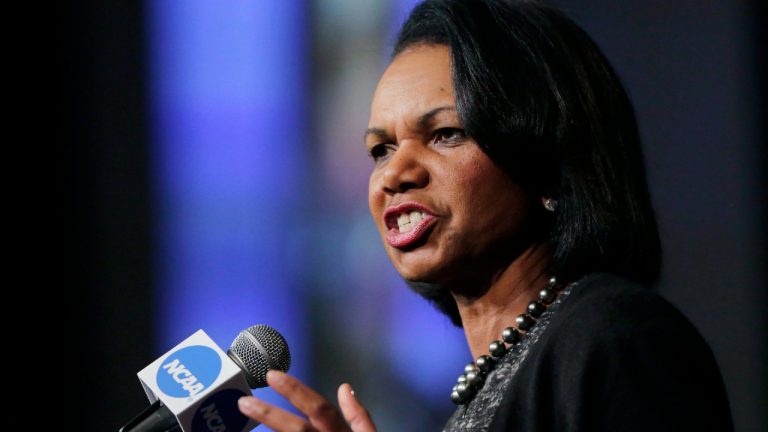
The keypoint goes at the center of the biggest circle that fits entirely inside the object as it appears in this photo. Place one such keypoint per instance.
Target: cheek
(491, 200)
(375, 199)
(471, 180)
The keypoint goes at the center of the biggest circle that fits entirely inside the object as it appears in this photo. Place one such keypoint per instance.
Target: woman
(509, 189)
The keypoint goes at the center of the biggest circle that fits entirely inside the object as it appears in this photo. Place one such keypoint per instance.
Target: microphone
(195, 386)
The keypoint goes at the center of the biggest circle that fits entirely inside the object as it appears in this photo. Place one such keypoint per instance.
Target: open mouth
(408, 224)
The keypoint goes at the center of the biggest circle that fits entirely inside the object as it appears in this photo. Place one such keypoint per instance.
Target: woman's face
(446, 212)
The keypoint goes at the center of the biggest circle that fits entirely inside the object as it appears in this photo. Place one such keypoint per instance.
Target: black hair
(541, 99)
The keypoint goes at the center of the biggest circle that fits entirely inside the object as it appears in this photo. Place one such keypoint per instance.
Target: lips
(408, 224)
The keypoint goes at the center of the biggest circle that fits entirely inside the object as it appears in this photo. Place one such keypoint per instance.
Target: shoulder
(611, 320)
(603, 305)
(605, 296)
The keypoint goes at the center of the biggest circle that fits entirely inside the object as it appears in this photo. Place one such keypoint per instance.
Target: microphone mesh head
(260, 348)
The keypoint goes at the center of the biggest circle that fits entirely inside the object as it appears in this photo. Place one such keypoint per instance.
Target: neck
(518, 284)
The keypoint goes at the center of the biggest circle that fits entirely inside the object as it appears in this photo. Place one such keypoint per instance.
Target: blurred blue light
(400, 11)
(228, 103)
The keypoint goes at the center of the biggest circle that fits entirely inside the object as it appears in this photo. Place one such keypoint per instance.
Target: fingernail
(275, 376)
(246, 405)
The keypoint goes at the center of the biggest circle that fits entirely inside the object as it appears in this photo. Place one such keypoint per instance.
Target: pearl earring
(549, 203)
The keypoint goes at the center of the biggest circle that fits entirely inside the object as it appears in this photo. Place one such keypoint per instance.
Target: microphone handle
(155, 418)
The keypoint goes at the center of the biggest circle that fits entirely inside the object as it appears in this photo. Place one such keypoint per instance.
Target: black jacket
(614, 357)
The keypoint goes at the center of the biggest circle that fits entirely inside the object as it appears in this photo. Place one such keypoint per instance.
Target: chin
(417, 270)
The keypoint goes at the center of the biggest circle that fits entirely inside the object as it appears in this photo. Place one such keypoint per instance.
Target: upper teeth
(407, 221)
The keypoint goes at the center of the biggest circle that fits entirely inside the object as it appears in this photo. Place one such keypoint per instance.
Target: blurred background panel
(219, 180)
(227, 86)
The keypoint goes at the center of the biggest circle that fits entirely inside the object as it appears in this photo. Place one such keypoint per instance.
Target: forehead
(417, 80)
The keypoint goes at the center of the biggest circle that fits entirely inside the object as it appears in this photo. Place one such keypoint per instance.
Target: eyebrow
(422, 122)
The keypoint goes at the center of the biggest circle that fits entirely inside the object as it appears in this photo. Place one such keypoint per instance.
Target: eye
(449, 135)
(380, 151)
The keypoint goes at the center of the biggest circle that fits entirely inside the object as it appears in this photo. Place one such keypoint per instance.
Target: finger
(276, 418)
(322, 414)
(357, 416)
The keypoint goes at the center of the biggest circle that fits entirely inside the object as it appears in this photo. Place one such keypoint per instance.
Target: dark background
(694, 69)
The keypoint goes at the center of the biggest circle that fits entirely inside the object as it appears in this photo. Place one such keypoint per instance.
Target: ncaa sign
(219, 413)
(188, 371)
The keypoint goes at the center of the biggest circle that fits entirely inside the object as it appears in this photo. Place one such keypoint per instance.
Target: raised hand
(322, 415)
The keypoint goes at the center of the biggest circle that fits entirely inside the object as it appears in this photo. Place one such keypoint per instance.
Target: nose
(405, 169)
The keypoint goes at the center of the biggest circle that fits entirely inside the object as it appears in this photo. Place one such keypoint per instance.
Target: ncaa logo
(219, 413)
(188, 371)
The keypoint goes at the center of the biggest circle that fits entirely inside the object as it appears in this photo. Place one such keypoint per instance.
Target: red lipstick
(406, 228)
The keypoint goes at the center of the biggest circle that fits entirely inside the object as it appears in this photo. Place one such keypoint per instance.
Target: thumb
(356, 415)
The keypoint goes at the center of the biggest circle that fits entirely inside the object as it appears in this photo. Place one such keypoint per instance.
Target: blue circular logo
(188, 371)
(220, 413)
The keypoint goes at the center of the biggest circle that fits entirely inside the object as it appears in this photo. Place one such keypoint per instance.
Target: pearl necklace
(473, 378)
